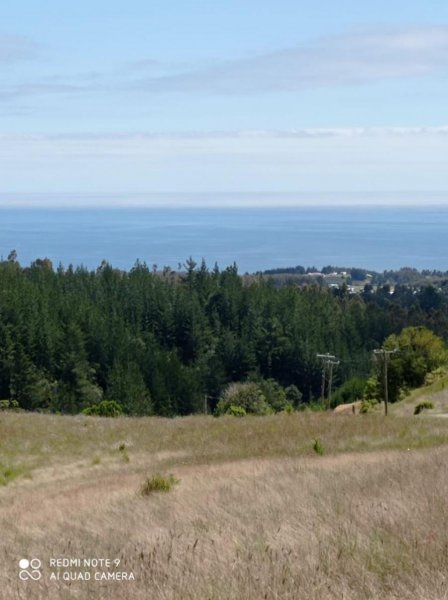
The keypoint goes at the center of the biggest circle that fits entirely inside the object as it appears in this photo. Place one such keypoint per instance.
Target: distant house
(335, 279)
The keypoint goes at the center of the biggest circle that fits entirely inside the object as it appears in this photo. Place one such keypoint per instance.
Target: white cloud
(348, 59)
(338, 60)
(14, 48)
(300, 134)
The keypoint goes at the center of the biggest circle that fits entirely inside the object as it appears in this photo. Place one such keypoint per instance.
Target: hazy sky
(236, 96)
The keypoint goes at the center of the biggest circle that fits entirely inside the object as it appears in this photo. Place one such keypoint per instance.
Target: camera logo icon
(30, 569)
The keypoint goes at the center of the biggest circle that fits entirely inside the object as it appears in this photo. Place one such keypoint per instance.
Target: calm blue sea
(256, 239)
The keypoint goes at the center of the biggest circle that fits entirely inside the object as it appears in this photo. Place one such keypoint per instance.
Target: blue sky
(296, 97)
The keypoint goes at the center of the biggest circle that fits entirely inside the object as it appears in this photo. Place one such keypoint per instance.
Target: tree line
(163, 343)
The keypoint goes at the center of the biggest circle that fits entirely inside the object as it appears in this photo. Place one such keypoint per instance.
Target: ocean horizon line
(222, 200)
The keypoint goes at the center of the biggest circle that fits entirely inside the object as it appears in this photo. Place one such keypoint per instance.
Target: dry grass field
(256, 512)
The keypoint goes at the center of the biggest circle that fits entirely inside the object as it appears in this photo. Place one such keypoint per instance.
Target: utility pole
(328, 362)
(385, 356)
(332, 363)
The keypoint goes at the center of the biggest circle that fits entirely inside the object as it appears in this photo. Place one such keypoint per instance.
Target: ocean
(256, 239)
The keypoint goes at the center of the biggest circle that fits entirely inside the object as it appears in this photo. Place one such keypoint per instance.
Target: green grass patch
(317, 447)
(9, 473)
(158, 483)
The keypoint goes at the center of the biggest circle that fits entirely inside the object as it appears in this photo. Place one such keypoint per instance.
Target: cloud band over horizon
(340, 160)
(360, 108)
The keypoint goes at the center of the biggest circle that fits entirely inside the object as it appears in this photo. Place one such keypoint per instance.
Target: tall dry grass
(256, 513)
(36, 441)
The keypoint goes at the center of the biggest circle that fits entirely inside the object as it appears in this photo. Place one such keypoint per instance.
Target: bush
(435, 376)
(278, 398)
(349, 392)
(106, 408)
(317, 447)
(9, 405)
(274, 393)
(425, 405)
(366, 406)
(293, 395)
(372, 390)
(420, 352)
(236, 411)
(247, 396)
(158, 483)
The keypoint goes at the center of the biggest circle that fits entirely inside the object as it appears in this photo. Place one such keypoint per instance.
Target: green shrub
(293, 395)
(158, 483)
(372, 390)
(278, 399)
(317, 447)
(424, 405)
(366, 406)
(246, 395)
(105, 408)
(274, 394)
(435, 375)
(349, 392)
(420, 353)
(9, 405)
(236, 411)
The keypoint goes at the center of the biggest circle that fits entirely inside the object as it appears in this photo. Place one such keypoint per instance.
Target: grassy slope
(256, 513)
(32, 441)
(437, 393)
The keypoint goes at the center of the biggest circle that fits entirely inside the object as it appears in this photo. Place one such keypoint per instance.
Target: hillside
(256, 512)
(157, 344)
(437, 394)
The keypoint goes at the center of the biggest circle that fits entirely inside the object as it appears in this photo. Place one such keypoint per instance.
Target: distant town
(357, 280)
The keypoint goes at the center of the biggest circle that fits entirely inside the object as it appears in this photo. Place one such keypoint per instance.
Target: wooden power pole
(384, 355)
(328, 363)
(331, 364)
